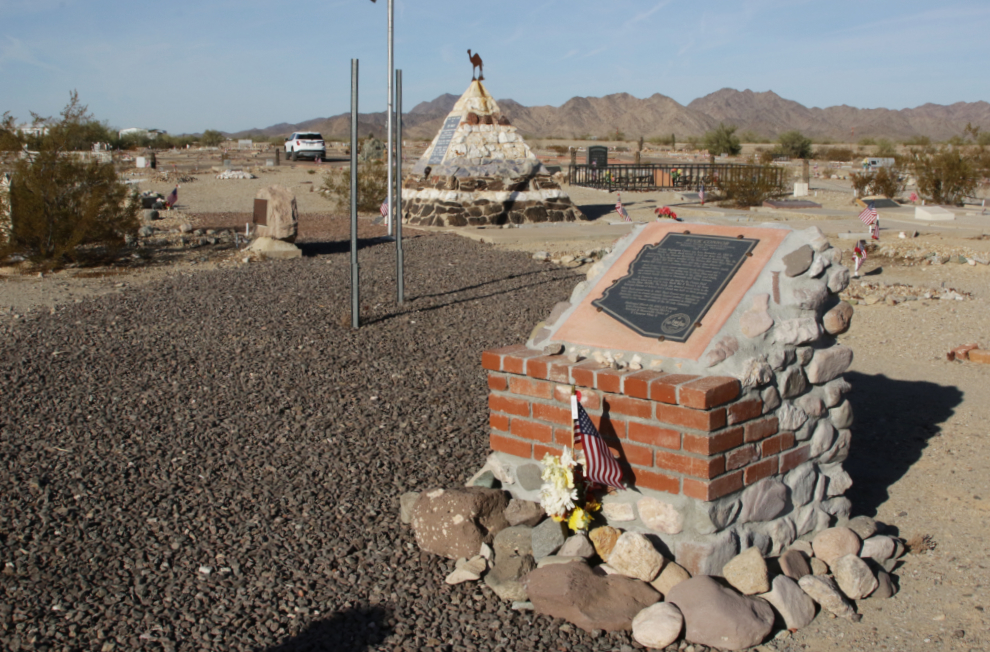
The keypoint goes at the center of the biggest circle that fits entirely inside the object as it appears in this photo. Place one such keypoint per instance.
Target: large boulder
(453, 523)
(281, 214)
(719, 617)
(575, 593)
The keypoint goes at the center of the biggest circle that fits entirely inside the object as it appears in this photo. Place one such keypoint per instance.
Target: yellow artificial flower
(579, 520)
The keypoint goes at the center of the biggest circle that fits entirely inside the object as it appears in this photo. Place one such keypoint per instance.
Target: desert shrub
(668, 141)
(793, 144)
(750, 136)
(885, 148)
(884, 181)
(764, 156)
(211, 138)
(841, 154)
(372, 187)
(59, 202)
(722, 140)
(867, 142)
(945, 174)
(694, 142)
(744, 187)
(917, 141)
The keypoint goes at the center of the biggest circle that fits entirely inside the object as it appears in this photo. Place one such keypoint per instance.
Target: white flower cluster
(557, 495)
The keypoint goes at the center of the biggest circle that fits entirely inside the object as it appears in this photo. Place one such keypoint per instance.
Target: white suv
(305, 144)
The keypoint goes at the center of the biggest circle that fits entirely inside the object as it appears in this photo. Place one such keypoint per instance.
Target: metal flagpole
(400, 285)
(390, 117)
(355, 294)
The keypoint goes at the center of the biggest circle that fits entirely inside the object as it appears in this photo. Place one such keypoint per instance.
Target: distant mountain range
(766, 114)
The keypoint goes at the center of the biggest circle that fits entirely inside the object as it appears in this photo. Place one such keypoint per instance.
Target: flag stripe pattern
(384, 208)
(172, 198)
(869, 214)
(620, 209)
(600, 467)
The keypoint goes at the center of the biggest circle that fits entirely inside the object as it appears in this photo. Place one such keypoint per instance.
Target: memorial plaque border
(712, 298)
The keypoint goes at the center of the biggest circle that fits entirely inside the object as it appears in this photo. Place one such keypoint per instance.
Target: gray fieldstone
(756, 320)
(671, 575)
(707, 555)
(810, 404)
(840, 449)
(763, 501)
(802, 330)
(801, 481)
(839, 507)
(514, 541)
(839, 481)
(838, 278)
(604, 538)
(829, 363)
(832, 392)
(798, 261)
(530, 476)
(841, 416)
(777, 357)
(810, 518)
(864, 526)
(750, 537)
(854, 577)
(771, 399)
(468, 570)
(660, 516)
(719, 617)
(885, 586)
(794, 565)
(817, 267)
(505, 578)
(658, 625)
(833, 254)
(822, 438)
(818, 567)
(454, 523)
(825, 592)
(406, 502)
(804, 354)
(879, 548)
(790, 417)
(756, 373)
(795, 607)
(782, 532)
(836, 542)
(811, 297)
(577, 545)
(723, 512)
(618, 512)
(836, 321)
(557, 559)
(274, 249)
(635, 556)
(747, 572)
(523, 512)
(548, 537)
(791, 382)
(484, 478)
(590, 601)
(803, 546)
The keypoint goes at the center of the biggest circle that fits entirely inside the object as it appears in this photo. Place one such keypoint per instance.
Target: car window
(309, 136)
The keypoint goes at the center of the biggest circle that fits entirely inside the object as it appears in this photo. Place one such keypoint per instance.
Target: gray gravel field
(213, 461)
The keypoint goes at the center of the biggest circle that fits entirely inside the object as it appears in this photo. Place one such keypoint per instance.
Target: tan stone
(835, 542)
(634, 556)
(660, 516)
(671, 575)
(604, 539)
(747, 572)
(282, 216)
(837, 319)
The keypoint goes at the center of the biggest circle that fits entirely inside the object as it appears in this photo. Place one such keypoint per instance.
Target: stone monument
(478, 170)
(706, 357)
(276, 219)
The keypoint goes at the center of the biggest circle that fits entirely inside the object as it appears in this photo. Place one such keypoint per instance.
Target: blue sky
(190, 65)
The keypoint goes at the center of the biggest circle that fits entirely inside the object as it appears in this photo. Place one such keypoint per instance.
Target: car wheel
(295, 155)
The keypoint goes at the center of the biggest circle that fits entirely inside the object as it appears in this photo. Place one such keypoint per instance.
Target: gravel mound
(214, 462)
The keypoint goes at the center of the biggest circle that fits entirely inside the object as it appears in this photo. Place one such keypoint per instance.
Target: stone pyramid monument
(478, 170)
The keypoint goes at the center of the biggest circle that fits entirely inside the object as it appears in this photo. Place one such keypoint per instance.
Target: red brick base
(676, 433)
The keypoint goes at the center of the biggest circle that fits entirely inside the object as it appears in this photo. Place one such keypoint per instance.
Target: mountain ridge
(765, 113)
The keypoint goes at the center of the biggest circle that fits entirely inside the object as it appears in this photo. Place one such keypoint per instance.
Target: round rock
(658, 625)
(835, 542)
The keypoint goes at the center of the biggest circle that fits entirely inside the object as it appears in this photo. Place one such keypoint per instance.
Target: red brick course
(675, 433)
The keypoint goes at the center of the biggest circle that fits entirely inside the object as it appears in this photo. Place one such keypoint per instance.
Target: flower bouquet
(665, 212)
(565, 494)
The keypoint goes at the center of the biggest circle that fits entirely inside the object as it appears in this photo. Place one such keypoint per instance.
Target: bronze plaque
(672, 284)
(261, 212)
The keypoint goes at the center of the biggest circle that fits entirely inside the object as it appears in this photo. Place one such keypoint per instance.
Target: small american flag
(173, 197)
(869, 214)
(620, 209)
(384, 208)
(701, 194)
(600, 467)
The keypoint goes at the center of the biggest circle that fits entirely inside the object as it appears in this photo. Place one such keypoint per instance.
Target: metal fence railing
(668, 176)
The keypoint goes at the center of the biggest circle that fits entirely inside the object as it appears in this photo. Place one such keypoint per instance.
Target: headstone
(276, 206)
(801, 189)
(140, 162)
(598, 156)
(245, 144)
(933, 214)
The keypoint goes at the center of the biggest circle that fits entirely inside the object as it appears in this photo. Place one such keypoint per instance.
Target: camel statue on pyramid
(476, 63)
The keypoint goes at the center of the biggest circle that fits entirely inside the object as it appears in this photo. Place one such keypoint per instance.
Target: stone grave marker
(598, 156)
(702, 358)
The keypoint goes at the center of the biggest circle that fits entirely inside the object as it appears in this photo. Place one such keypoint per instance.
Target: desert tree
(946, 174)
(211, 138)
(722, 140)
(794, 144)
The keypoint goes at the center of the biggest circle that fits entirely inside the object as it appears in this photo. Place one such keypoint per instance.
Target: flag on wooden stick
(869, 214)
(600, 466)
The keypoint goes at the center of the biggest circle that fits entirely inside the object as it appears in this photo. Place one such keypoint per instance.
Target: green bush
(60, 202)
(742, 187)
(722, 140)
(211, 138)
(10, 140)
(882, 181)
(372, 187)
(945, 174)
(793, 144)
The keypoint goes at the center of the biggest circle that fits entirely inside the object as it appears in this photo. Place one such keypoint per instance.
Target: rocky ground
(202, 455)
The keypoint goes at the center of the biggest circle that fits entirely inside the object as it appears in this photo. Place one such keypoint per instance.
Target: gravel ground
(213, 462)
